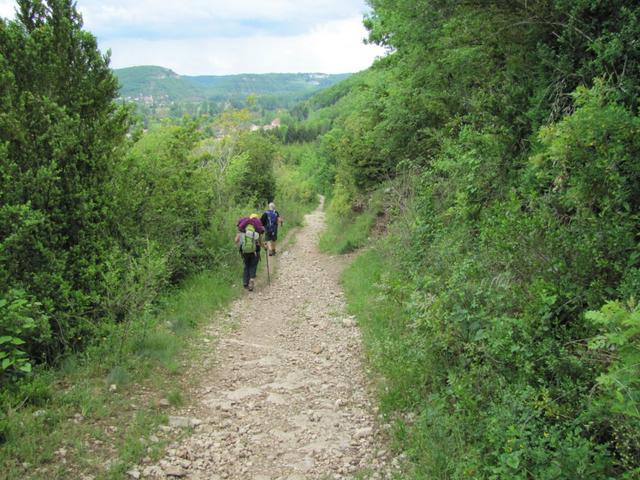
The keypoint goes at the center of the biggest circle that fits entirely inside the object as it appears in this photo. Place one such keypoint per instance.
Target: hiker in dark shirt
(249, 241)
(271, 219)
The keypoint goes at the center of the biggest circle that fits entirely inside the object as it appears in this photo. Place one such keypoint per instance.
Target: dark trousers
(250, 266)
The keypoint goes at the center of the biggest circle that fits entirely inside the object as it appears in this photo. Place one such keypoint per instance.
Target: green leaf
(26, 367)
(6, 363)
(513, 461)
(17, 341)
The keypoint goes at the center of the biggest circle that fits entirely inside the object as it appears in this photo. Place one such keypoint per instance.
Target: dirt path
(285, 396)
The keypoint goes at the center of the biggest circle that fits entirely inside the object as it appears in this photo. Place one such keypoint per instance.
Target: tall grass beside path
(400, 360)
(350, 229)
(100, 412)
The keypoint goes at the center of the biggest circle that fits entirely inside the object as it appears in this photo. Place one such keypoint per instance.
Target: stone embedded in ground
(135, 474)
(153, 471)
(349, 322)
(183, 422)
(173, 471)
(365, 432)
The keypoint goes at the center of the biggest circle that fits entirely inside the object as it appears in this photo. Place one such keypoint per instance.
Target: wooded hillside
(160, 92)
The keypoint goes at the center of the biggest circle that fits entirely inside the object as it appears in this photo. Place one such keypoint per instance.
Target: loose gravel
(285, 396)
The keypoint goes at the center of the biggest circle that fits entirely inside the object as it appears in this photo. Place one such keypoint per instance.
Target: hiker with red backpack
(271, 219)
(249, 241)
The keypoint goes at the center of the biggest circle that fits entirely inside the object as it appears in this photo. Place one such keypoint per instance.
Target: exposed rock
(365, 432)
(349, 322)
(183, 422)
(174, 471)
(153, 471)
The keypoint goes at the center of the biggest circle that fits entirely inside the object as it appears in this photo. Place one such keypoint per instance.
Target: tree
(60, 134)
(250, 177)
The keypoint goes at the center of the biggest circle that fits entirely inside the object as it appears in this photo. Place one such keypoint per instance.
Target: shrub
(23, 327)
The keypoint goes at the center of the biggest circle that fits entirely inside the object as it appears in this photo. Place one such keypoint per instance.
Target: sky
(222, 37)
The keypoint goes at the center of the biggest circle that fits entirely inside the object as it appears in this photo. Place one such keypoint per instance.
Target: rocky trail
(285, 395)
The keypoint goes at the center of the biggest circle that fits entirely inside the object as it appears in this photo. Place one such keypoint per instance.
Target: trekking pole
(268, 274)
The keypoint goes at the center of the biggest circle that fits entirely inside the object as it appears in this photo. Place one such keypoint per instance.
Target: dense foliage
(97, 217)
(504, 136)
(496, 145)
(60, 134)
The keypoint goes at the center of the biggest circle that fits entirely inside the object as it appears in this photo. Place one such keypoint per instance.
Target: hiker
(271, 219)
(249, 240)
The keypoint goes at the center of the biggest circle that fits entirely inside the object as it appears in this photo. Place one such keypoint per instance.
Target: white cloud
(149, 18)
(334, 47)
(6, 9)
(222, 37)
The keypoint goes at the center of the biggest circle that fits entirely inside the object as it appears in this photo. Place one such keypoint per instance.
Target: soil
(285, 396)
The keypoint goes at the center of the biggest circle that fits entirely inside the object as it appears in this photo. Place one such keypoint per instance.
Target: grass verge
(99, 412)
(397, 356)
(348, 231)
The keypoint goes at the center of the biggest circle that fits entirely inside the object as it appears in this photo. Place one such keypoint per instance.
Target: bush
(60, 135)
(23, 327)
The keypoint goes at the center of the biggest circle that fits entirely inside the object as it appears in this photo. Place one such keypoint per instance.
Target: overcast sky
(220, 37)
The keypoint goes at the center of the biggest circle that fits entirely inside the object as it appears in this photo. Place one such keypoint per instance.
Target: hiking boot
(251, 284)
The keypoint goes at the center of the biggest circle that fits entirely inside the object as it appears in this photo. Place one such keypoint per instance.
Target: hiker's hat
(253, 215)
(272, 206)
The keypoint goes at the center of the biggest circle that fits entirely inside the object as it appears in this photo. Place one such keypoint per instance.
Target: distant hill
(157, 82)
(151, 83)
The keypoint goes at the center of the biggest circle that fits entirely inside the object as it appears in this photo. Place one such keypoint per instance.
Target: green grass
(395, 353)
(175, 397)
(101, 406)
(382, 320)
(348, 235)
(349, 232)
